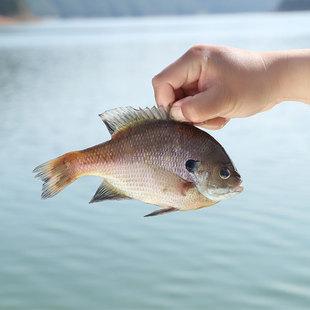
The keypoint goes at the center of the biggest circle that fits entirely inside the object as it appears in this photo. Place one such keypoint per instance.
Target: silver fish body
(148, 159)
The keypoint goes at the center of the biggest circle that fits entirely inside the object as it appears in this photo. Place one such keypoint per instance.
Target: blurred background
(108, 8)
(64, 62)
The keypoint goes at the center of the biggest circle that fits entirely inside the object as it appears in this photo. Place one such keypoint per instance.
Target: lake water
(248, 252)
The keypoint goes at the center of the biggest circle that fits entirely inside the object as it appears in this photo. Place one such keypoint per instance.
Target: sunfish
(151, 158)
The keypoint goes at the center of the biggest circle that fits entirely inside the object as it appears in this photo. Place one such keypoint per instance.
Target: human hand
(209, 85)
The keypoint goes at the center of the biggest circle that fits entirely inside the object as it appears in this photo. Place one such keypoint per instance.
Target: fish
(152, 158)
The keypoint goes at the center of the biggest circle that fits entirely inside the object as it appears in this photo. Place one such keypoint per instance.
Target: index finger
(183, 71)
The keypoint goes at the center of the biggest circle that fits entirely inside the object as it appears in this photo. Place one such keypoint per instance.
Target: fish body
(146, 160)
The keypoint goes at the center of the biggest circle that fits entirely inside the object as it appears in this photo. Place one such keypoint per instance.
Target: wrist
(289, 75)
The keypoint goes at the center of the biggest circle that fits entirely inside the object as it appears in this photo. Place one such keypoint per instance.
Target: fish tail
(58, 173)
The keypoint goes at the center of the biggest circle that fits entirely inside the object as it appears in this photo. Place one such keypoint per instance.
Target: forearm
(289, 74)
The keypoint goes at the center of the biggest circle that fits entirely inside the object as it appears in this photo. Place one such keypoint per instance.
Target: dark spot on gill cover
(192, 165)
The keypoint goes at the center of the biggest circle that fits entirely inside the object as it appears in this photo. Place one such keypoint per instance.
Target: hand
(209, 85)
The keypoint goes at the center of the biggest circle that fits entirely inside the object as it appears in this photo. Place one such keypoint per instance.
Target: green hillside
(102, 8)
(99, 8)
(12, 7)
(294, 5)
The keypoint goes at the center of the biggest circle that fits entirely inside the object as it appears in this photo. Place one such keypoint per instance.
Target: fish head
(216, 180)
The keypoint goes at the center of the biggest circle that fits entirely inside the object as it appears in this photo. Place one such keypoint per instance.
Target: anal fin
(107, 192)
(162, 211)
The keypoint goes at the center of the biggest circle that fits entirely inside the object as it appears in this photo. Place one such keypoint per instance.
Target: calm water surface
(249, 252)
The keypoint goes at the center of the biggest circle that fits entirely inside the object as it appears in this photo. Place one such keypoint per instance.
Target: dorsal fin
(121, 118)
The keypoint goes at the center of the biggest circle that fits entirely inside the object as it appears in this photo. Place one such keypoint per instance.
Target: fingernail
(176, 112)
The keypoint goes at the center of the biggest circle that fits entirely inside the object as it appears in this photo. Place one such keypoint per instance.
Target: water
(249, 252)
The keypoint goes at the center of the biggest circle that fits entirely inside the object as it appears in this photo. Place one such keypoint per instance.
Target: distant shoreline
(13, 20)
(30, 18)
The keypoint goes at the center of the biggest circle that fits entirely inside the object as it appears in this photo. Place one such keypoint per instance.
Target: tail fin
(57, 174)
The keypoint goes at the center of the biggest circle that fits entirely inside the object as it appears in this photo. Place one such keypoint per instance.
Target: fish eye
(224, 173)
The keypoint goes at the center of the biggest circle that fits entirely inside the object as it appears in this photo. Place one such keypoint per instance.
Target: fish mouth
(221, 194)
(232, 192)
(214, 193)
(238, 189)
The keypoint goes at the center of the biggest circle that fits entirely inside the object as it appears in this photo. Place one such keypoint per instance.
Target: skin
(209, 85)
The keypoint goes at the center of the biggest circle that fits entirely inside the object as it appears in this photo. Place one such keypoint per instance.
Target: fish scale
(146, 159)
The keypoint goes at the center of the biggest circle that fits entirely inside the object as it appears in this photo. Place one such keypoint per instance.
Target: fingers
(164, 95)
(201, 107)
(215, 123)
(184, 71)
(177, 89)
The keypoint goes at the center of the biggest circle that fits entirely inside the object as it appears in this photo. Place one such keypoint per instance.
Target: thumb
(214, 123)
(201, 107)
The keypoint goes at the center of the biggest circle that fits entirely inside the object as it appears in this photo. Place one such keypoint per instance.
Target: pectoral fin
(185, 187)
(161, 211)
(107, 192)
